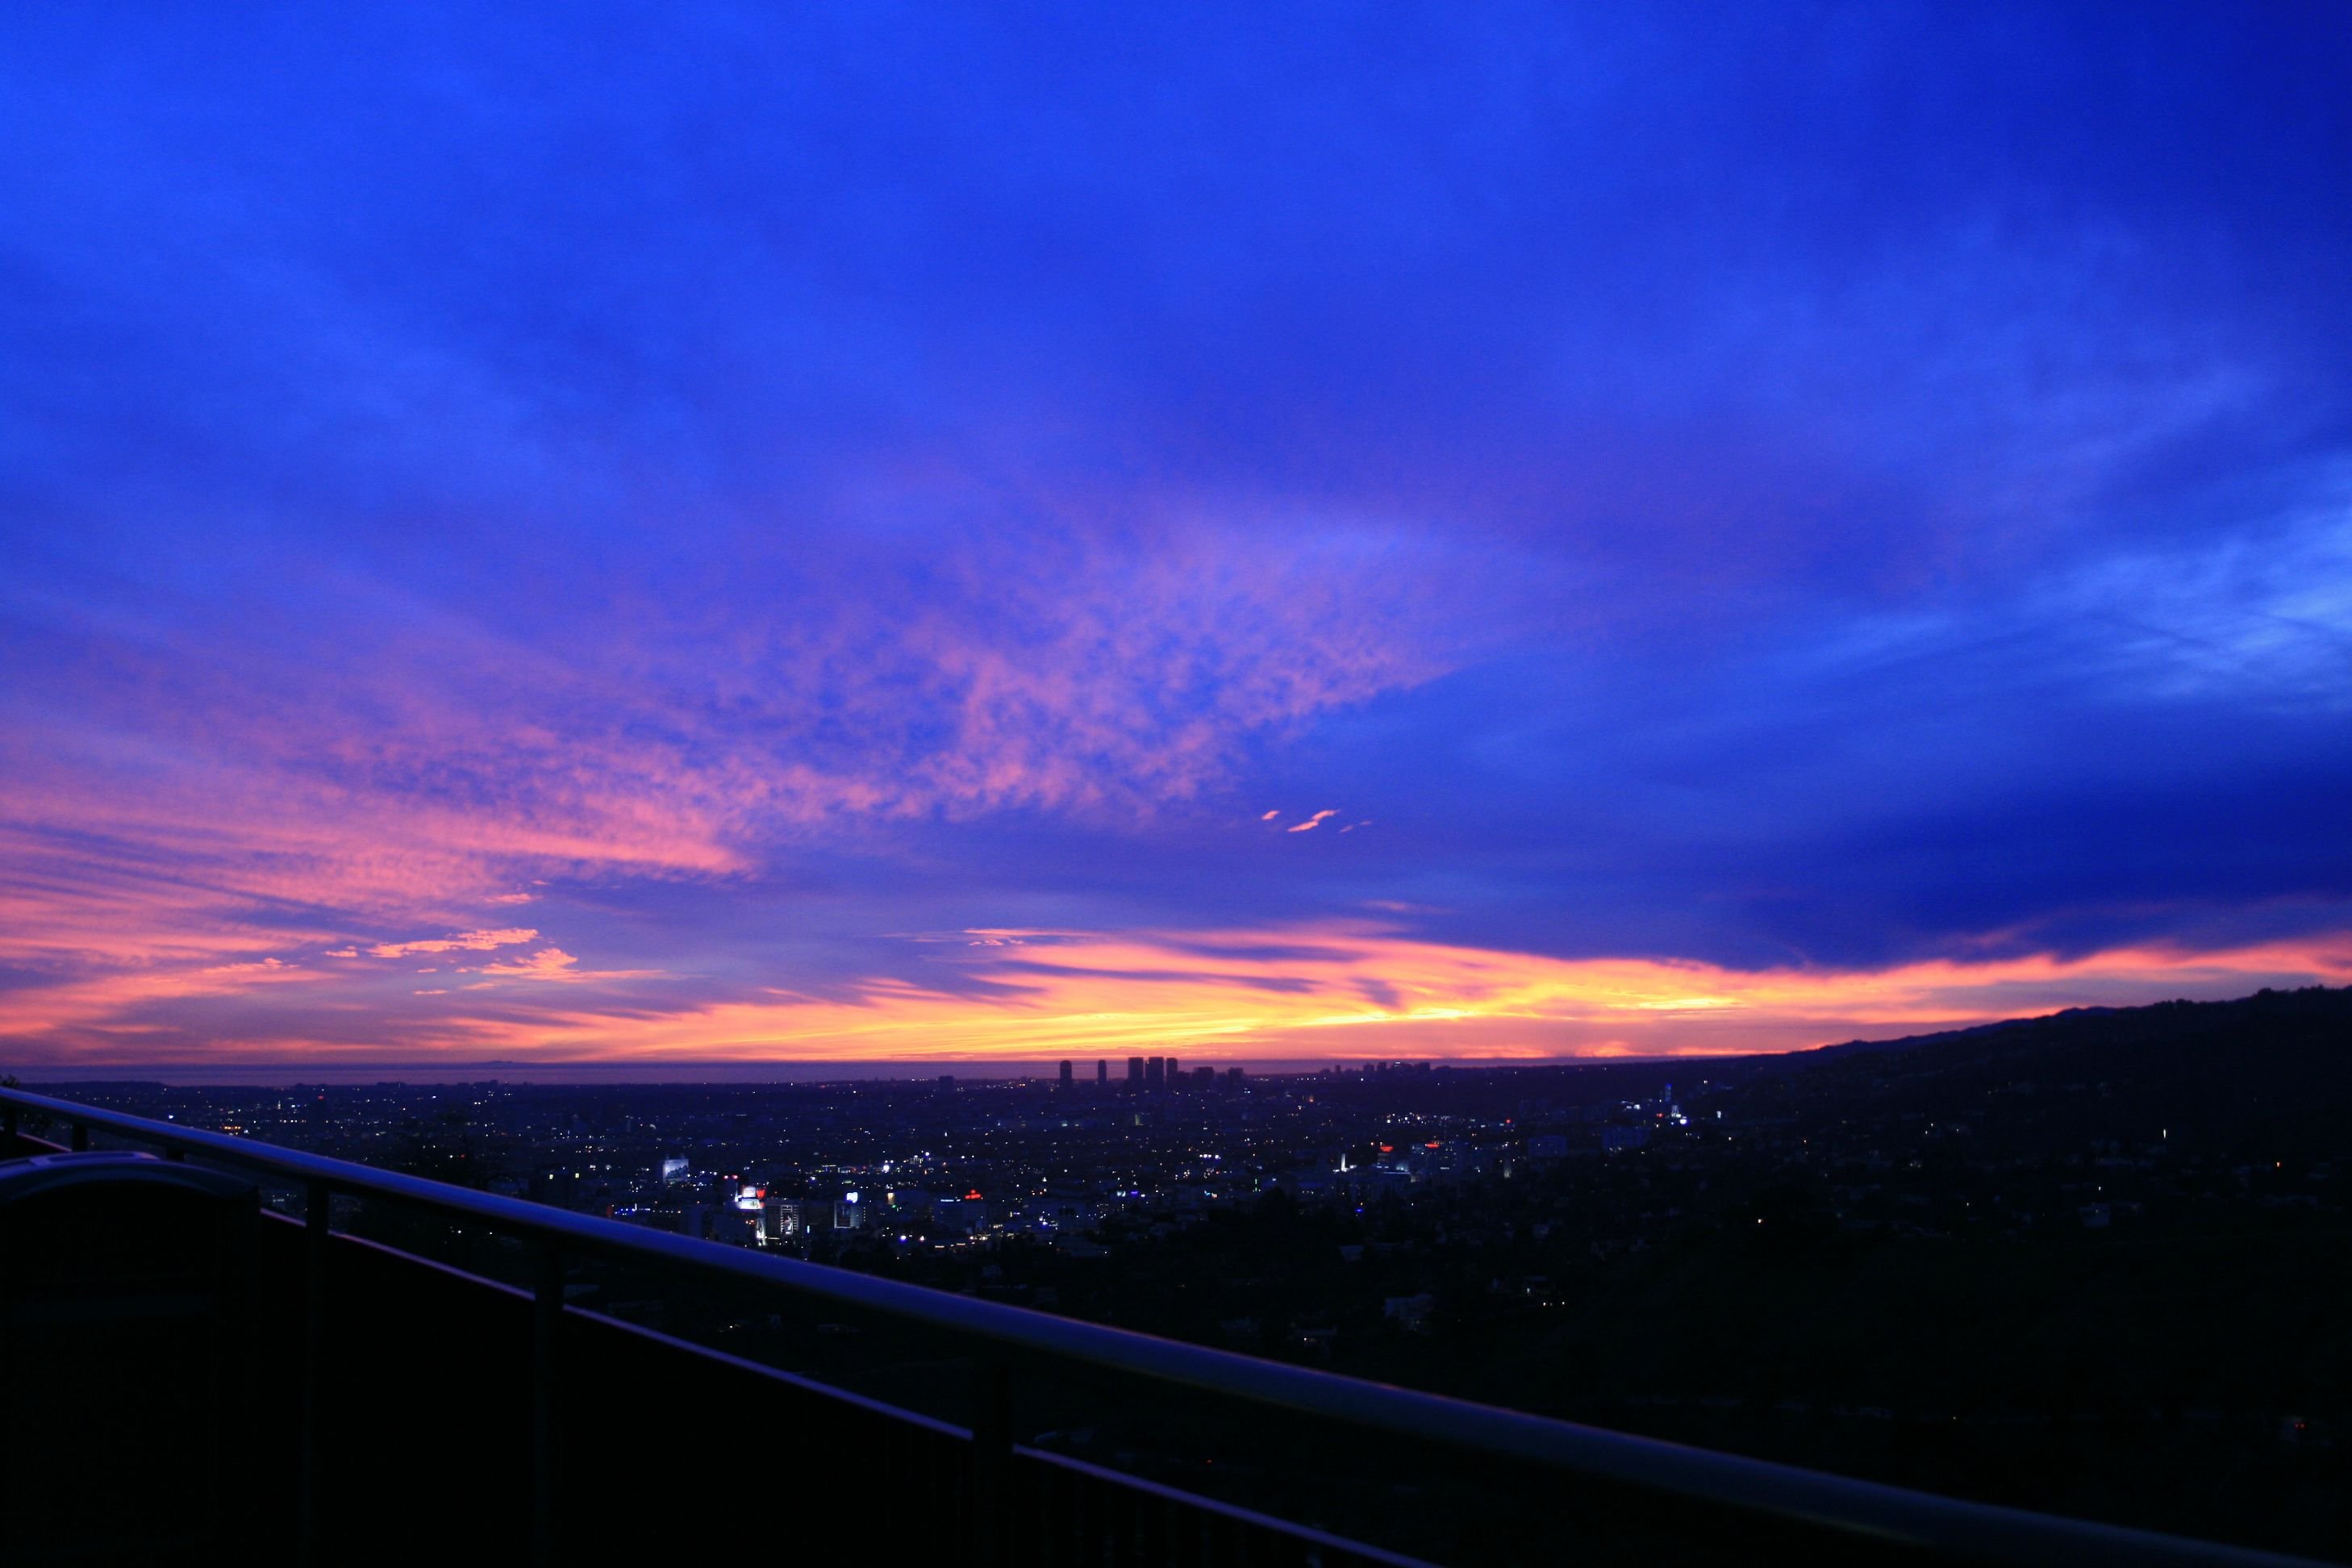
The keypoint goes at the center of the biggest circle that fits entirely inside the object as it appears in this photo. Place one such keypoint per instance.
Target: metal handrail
(1868, 1511)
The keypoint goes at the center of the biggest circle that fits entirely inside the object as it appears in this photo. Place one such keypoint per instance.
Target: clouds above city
(1850, 510)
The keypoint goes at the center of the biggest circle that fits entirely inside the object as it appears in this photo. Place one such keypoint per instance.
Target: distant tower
(1175, 1075)
(1067, 1082)
(1102, 1074)
(1135, 1074)
(1155, 1074)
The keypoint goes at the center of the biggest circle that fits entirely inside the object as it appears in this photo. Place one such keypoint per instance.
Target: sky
(697, 533)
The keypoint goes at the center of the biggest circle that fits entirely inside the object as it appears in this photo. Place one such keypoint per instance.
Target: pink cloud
(200, 779)
(459, 941)
(547, 964)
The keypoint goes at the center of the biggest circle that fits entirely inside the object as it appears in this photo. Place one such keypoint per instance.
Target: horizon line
(249, 1074)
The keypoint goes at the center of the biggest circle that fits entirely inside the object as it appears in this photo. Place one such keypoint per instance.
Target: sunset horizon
(697, 566)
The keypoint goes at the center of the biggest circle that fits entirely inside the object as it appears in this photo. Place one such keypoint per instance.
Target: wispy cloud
(547, 964)
(459, 941)
(163, 805)
(1313, 822)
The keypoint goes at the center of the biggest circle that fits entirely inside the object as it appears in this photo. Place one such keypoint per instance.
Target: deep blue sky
(1831, 496)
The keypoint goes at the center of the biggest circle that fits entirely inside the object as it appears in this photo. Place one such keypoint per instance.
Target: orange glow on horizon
(1340, 992)
(1345, 993)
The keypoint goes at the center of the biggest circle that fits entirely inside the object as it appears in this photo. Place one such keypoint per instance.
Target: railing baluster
(991, 1462)
(547, 1328)
(951, 1478)
(1224, 1545)
(317, 1207)
(1068, 1518)
(1094, 1540)
(1055, 1495)
(1123, 1526)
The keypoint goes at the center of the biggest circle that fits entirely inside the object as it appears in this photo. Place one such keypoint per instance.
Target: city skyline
(870, 537)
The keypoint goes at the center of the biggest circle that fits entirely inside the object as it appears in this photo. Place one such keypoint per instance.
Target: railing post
(547, 1328)
(991, 1463)
(317, 1207)
(12, 1119)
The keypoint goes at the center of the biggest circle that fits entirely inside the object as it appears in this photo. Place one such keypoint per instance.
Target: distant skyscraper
(1102, 1074)
(1066, 1081)
(1175, 1074)
(1155, 1074)
(1135, 1072)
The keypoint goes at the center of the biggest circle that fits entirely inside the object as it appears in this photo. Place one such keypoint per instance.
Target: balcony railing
(930, 1488)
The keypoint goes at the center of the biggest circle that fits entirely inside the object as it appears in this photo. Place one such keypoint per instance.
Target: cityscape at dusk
(1311, 786)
